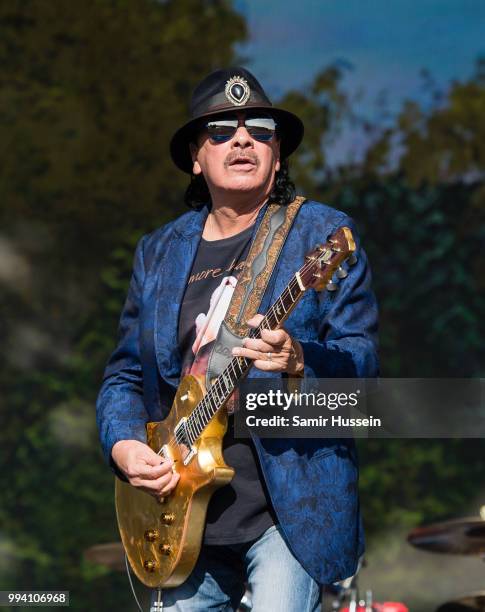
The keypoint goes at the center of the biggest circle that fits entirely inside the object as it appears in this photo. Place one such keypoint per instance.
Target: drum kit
(459, 537)
(456, 537)
(346, 597)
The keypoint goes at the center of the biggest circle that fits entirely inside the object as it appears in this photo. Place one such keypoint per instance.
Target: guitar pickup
(181, 434)
(188, 458)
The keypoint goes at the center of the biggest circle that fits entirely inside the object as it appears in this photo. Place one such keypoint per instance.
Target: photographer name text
(280, 400)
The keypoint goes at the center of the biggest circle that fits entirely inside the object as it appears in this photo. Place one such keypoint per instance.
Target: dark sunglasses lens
(222, 130)
(261, 128)
(260, 134)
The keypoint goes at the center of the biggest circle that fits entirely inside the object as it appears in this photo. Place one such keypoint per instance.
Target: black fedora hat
(225, 90)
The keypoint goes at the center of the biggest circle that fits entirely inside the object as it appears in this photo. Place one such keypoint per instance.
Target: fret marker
(302, 286)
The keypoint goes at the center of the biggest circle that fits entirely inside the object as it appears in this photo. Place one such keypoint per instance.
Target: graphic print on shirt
(207, 327)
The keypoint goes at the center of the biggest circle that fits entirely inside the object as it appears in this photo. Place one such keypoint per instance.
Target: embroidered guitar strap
(252, 282)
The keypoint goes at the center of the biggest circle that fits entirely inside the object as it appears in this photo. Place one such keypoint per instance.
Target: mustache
(237, 156)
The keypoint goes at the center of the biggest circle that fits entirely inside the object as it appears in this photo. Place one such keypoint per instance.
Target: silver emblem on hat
(237, 91)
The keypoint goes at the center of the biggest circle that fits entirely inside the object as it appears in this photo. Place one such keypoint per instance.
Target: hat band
(219, 102)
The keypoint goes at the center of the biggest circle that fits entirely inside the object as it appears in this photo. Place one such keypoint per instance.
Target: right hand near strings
(144, 468)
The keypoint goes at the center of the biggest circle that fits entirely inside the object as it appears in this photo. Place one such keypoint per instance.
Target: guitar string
(253, 333)
(199, 411)
(243, 363)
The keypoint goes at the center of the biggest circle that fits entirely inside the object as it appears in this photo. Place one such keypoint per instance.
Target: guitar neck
(238, 367)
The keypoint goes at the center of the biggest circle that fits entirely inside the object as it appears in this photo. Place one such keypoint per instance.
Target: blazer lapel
(173, 276)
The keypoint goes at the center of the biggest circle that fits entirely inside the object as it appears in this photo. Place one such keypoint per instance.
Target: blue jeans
(277, 581)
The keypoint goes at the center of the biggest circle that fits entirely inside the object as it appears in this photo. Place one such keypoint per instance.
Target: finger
(268, 366)
(251, 354)
(256, 344)
(152, 485)
(148, 456)
(168, 488)
(276, 337)
(255, 321)
(152, 472)
(274, 364)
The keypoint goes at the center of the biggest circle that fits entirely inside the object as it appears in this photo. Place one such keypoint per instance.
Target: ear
(194, 150)
(277, 165)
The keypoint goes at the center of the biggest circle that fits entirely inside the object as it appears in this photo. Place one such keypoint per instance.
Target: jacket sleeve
(347, 337)
(120, 412)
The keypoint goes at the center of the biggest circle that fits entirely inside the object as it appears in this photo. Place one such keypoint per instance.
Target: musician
(289, 521)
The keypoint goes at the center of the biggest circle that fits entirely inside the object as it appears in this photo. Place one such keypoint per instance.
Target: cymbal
(475, 602)
(111, 554)
(460, 537)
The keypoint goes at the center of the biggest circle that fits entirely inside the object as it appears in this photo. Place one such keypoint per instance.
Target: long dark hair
(197, 193)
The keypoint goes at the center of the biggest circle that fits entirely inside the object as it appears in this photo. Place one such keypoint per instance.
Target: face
(241, 164)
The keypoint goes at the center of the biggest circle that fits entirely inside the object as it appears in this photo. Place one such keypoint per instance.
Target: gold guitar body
(162, 538)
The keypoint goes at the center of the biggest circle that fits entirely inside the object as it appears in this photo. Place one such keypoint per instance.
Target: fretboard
(238, 367)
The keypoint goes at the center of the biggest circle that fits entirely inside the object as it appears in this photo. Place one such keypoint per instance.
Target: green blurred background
(90, 93)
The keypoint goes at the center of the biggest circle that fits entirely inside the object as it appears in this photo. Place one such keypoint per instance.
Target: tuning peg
(331, 286)
(352, 259)
(342, 272)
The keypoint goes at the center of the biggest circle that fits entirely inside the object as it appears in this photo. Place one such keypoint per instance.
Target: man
(289, 521)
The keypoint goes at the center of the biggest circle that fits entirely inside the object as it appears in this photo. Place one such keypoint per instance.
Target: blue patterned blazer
(312, 483)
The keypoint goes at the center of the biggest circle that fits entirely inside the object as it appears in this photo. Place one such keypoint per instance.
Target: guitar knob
(352, 259)
(342, 272)
(331, 286)
(167, 518)
(151, 535)
(165, 549)
(150, 565)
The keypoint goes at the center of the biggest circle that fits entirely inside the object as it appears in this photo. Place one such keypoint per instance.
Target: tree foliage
(418, 199)
(90, 94)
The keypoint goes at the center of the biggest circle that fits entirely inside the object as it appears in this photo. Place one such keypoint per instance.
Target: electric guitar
(162, 537)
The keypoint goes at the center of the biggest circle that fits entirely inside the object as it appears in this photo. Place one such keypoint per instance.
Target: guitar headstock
(325, 260)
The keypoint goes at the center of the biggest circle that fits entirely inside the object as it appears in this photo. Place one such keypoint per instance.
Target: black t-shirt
(240, 511)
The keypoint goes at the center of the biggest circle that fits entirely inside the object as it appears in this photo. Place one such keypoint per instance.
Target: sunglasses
(261, 128)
